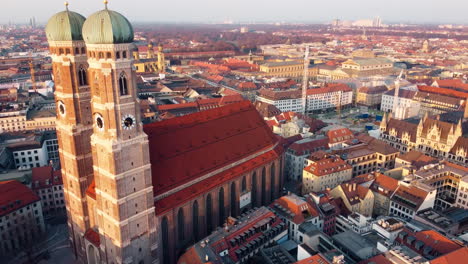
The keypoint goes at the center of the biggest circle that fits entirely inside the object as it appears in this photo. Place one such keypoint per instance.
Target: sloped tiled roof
(186, 147)
(401, 127)
(453, 257)
(328, 166)
(15, 195)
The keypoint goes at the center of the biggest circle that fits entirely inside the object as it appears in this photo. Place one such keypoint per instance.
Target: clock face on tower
(128, 122)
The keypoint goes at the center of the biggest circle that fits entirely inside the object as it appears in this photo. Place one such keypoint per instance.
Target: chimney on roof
(354, 186)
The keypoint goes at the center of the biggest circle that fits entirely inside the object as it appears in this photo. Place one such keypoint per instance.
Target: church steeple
(150, 51)
(74, 124)
(126, 218)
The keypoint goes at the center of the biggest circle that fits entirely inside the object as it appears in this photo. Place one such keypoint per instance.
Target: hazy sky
(423, 11)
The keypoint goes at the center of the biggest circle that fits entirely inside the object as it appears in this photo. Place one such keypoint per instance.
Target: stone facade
(74, 129)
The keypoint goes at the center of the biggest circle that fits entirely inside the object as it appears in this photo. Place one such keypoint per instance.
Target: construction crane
(305, 80)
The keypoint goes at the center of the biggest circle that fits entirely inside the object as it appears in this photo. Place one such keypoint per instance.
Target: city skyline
(208, 11)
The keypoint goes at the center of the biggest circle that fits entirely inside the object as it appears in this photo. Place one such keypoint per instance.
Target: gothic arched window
(181, 224)
(195, 220)
(82, 77)
(123, 85)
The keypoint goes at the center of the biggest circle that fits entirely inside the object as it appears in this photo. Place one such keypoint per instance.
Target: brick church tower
(74, 122)
(124, 210)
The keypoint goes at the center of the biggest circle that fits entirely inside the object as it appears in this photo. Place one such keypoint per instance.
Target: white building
(332, 96)
(34, 150)
(407, 107)
(297, 154)
(21, 219)
(285, 101)
(407, 200)
(356, 222)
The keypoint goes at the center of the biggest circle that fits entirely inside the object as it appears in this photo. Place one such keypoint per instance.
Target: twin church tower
(101, 139)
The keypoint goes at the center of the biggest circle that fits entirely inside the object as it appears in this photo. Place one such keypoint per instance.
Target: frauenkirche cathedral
(142, 194)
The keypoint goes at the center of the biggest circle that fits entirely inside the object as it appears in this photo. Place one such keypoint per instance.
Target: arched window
(221, 206)
(254, 189)
(123, 85)
(272, 181)
(195, 221)
(233, 200)
(96, 83)
(209, 214)
(181, 224)
(82, 77)
(263, 186)
(244, 184)
(165, 238)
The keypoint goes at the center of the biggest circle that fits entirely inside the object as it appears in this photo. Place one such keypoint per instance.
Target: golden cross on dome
(105, 3)
(66, 4)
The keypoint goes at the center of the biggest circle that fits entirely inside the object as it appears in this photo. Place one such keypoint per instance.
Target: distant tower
(397, 110)
(150, 53)
(425, 46)
(74, 123)
(33, 74)
(305, 80)
(364, 36)
(161, 59)
(125, 214)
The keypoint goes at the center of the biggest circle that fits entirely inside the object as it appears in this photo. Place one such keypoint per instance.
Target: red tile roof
(330, 88)
(439, 244)
(414, 195)
(93, 237)
(312, 146)
(339, 135)
(453, 257)
(452, 83)
(443, 91)
(184, 148)
(384, 184)
(327, 166)
(14, 195)
(91, 190)
(354, 193)
(315, 259)
(300, 209)
(40, 175)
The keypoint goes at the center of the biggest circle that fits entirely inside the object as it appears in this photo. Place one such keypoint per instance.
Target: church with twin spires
(143, 193)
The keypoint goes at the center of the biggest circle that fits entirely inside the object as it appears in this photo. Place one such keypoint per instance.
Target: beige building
(370, 96)
(23, 120)
(462, 195)
(11, 121)
(293, 69)
(356, 198)
(433, 137)
(325, 173)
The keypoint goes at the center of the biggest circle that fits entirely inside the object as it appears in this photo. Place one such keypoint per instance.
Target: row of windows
(22, 153)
